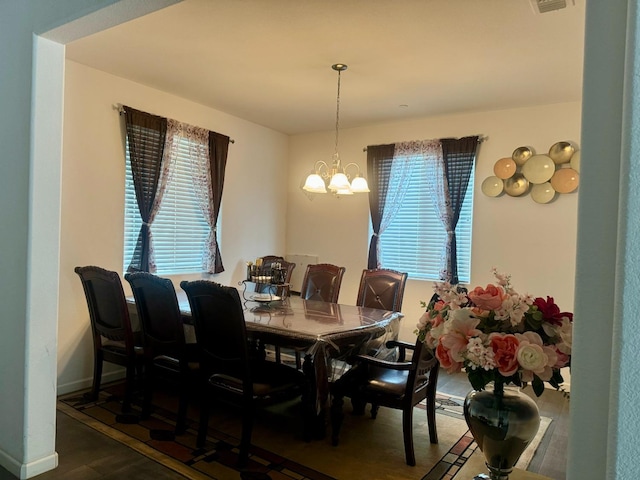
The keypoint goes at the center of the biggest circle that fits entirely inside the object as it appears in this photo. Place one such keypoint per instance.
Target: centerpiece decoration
(503, 341)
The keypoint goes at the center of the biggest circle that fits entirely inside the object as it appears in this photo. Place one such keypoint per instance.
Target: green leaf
(476, 378)
(537, 385)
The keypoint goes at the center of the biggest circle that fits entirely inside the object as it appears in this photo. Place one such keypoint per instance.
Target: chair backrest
(322, 282)
(107, 304)
(423, 377)
(220, 328)
(383, 289)
(269, 260)
(159, 314)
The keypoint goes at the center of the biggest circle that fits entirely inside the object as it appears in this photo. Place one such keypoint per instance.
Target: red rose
(551, 312)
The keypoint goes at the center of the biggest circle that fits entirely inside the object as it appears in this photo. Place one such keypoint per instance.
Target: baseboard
(28, 470)
(85, 383)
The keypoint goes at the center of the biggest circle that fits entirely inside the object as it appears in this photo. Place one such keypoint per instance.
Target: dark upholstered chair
(113, 338)
(383, 289)
(168, 358)
(269, 260)
(322, 282)
(229, 371)
(400, 385)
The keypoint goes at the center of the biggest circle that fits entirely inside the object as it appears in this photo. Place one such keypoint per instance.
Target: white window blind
(179, 230)
(415, 240)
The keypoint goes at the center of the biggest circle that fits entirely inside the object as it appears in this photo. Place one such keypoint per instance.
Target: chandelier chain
(337, 114)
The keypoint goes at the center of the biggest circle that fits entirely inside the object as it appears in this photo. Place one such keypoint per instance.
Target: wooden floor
(85, 454)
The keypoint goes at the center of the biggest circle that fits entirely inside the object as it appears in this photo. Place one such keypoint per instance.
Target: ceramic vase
(503, 421)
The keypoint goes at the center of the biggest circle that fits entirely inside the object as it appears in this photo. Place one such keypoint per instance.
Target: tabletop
(309, 321)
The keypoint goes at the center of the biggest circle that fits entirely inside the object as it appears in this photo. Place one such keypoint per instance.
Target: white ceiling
(269, 61)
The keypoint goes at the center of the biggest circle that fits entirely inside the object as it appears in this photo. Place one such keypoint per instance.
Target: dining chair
(281, 291)
(381, 288)
(228, 370)
(322, 282)
(167, 356)
(113, 338)
(267, 262)
(399, 385)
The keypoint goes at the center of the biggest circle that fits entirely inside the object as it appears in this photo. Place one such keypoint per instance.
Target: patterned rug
(368, 448)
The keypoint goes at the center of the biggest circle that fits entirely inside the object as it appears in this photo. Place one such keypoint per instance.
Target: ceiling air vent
(544, 6)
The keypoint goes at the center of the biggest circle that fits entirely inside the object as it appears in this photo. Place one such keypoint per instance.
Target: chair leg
(358, 404)
(407, 430)
(97, 376)
(278, 354)
(148, 387)
(182, 410)
(337, 416)
(374, 410)
(245, 440)
(204, 418)
(128, 388)
(431, 419)
(298, 360)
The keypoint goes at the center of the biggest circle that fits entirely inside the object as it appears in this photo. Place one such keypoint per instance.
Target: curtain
(198, 143)
(146, 135)
(379, 161)
(459, 156)
(218, 150)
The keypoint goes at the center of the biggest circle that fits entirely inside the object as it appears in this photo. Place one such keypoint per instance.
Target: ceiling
(269, 61)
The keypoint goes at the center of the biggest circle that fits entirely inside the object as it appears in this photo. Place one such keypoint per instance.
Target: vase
(503, 421)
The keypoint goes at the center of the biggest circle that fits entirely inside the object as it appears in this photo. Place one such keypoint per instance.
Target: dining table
(326, 334)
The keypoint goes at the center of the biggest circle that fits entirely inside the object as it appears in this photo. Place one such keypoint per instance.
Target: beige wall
(534, 243)
(93, 195)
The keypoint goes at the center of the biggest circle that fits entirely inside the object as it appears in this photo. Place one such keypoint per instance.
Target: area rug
(368, 449)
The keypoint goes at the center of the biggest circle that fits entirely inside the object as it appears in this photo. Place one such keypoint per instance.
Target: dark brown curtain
(218, 150)
(459, 156)
(379, 161)
(146, 136)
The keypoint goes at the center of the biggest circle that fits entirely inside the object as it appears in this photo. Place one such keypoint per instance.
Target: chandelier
(336, 176)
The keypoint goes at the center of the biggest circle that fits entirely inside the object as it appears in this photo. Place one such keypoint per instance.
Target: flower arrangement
(497, 335)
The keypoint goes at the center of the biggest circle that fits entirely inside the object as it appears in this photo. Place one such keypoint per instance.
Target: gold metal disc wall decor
(543, 175)
(521, 155)
(516, 185)
(561, 152)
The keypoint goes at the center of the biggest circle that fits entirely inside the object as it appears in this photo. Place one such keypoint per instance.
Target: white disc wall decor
(539, 169)
(492, 186)
(543, 193)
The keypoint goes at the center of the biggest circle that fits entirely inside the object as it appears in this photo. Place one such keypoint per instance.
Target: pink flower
(446, 361)
(438, 319)
(505, 347)
(489, 298)
(563, 359)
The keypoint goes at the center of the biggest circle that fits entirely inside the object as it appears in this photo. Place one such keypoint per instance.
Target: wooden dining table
(326, 334)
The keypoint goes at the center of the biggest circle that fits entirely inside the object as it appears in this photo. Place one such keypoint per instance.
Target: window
(414, 242)
(179, 230)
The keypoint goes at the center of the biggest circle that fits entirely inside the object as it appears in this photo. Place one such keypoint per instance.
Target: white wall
(93, 195)
(534, 243)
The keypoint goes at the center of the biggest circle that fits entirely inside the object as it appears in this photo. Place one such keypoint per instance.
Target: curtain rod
(120, 108)
(481, 138)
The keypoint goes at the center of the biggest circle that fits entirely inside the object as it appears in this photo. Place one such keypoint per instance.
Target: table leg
(312, 403)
